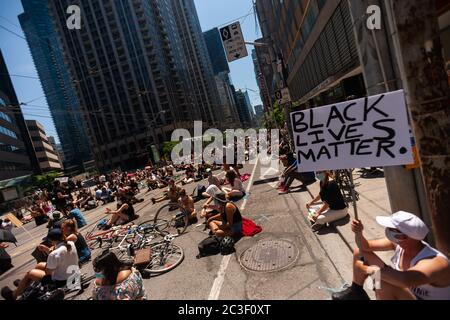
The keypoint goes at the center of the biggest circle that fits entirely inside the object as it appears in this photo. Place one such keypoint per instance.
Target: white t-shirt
(61, 261)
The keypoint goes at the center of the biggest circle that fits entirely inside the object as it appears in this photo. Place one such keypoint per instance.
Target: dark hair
(182, 192)
(108, 263)
(231, 175)
(71, 224)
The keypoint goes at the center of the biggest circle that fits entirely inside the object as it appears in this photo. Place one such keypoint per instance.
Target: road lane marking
(218, 281)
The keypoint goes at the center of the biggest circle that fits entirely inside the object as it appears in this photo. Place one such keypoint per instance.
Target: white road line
(218, 281)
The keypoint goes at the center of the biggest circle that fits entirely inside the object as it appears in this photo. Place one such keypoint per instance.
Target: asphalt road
(308, 275)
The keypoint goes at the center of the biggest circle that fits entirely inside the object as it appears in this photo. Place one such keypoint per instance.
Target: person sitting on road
(237, 190)
(7, 225)
(290, 173)
(62, 256)
(187, 203)
(173, 193)
(56, 220)
(39, 212)
(72, 212)
(70, 231)
(228, 222)
(419, 271)
(190, 175)
(115, 280)
(212, 179)
(333, 207)
(124, 213)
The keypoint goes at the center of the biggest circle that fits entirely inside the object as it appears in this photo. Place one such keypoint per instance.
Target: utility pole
(429, 101)
(382, 74)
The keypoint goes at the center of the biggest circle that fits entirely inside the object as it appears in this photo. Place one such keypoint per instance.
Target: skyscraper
(216, 51)
(17, 156)
(47, 156)
(221, 70)
(200, 73)
(141, 72)
(57, 85)
(243, 107)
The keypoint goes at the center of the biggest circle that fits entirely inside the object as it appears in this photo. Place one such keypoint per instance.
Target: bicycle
(96, 240)
(164, 256)
(168, 223)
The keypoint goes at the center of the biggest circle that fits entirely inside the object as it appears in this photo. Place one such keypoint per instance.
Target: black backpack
(209, 246)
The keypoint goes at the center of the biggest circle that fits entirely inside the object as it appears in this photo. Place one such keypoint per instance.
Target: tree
(168, 147)
(44, 180)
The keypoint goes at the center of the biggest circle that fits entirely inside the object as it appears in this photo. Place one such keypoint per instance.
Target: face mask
(321, 177)
(99, 275)
(392, 236)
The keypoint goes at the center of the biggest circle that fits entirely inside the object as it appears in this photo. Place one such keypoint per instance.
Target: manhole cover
(268, 256)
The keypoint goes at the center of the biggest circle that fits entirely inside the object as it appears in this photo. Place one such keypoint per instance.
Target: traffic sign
(233, 42)
(283, 96)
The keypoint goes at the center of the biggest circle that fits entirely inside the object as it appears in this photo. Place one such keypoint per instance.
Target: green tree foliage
(44, 180)
(168, 147)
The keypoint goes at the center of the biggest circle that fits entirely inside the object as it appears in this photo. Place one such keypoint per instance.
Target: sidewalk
(373, 201)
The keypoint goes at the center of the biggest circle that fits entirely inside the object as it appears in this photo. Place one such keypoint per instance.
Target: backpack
(209, 246)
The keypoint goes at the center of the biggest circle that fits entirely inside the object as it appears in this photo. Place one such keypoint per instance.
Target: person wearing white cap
(418, 272)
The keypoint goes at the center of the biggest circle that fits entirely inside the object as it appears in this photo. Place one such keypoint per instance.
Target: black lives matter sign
(367, 132)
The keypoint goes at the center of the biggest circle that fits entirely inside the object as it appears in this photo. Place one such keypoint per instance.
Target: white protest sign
(367, 132)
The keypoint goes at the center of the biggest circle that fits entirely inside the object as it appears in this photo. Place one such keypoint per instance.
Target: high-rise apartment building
(46, 155)
(17, 156)
(141, 72)
(315, 42)
(243, 107)
(57, 85)
(216, 51)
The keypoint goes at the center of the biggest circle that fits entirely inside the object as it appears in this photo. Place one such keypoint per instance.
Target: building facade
(46, 155)
(58, 150)
(216, 51)
(136, 82)
(16, 149)
(200, 74)
(315, 46)
(243, 107)
(57, 85)
(229, 116)
(263, 74)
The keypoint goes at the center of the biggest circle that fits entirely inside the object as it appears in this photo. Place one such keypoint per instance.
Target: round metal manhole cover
(269, 256)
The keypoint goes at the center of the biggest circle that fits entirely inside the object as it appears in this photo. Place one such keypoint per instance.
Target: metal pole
(355, 210)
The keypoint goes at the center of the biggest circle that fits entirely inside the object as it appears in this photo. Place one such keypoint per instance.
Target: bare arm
(427, 271)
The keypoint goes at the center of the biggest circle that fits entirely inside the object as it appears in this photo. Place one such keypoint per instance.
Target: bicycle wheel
(164, 257)
(171, 219)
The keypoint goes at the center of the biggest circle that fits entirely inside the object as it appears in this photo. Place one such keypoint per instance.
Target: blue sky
(212, 13)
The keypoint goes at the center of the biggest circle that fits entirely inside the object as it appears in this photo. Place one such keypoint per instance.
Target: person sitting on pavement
(237, 190)
(39, 214)
(70, 231)
(290, 173)
(228, 222)
(212, 179)
(187, 203)
(333, 207)
(60, 196)
(55, 221)
(61, 257)
(7, 225)
(115, 280)
(207, 209)
(72, 212)
(124, 213)
(419, 271)
(173, 193)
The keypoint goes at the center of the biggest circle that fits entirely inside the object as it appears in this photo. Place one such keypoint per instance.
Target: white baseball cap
(407, 223)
